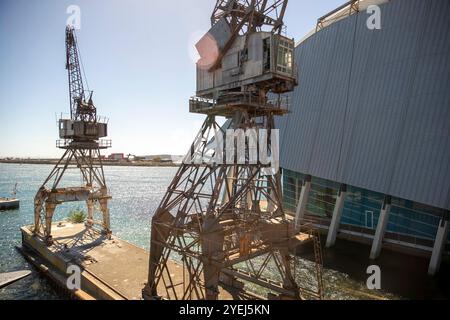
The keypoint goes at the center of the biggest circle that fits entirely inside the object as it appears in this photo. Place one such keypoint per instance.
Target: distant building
(117, 156)
(158, 158)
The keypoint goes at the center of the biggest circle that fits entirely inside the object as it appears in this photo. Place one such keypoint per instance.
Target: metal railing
(101, 144)
(283, 102)
(66, 116)
(197, 104)
(63, 143)
(346, 9)
(105, 144)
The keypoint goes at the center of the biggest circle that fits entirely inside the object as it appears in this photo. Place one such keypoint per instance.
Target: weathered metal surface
(261, 63)
(81, 134)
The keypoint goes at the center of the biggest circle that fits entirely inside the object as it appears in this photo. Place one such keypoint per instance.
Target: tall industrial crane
(223, 219)
(81, 107)
(81, 139)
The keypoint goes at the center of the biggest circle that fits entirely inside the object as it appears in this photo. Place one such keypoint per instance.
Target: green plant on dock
(77, 216)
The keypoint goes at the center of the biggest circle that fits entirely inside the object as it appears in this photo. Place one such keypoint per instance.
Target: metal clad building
(373, 107)
(371, 118)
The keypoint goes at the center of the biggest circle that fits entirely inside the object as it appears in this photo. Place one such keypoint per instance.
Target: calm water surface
(136, 193)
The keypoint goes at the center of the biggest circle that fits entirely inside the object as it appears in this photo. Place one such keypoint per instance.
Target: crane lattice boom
(81, 108)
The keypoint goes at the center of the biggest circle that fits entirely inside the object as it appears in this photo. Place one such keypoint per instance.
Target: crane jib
(81, 107)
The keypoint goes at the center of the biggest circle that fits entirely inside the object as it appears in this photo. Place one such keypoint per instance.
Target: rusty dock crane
(80, 136)
(222, 217)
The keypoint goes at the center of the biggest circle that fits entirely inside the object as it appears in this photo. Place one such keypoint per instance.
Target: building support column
(439, 247)
(302, 202)
(383, 222)
(337, 215)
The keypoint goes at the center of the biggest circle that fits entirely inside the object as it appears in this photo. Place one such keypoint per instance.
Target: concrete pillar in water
(439, 246)
(303, 202)
(337, 215)
(383, 222)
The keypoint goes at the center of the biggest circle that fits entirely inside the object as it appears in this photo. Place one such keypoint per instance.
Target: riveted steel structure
(81, 142)
(222, 217)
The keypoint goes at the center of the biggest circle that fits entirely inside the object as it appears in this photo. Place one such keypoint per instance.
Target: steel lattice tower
(81, 136)
(223, 214)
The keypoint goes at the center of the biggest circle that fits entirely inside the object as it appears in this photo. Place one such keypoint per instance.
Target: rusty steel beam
(212, 217)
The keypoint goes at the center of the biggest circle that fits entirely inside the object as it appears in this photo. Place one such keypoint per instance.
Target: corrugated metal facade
(373, 106)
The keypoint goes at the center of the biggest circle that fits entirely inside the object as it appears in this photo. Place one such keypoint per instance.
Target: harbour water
(136, 194)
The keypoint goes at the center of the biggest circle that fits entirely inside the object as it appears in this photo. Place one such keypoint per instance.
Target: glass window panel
(362, 207)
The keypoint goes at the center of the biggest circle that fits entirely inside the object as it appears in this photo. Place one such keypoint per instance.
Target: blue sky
(138, 59)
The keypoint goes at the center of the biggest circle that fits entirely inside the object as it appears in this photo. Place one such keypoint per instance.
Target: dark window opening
(267, 54)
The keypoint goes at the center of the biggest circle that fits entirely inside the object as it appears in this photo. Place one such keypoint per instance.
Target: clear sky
(138, 58)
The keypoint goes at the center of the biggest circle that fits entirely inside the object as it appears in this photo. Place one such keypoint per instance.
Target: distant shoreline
(105, 163)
